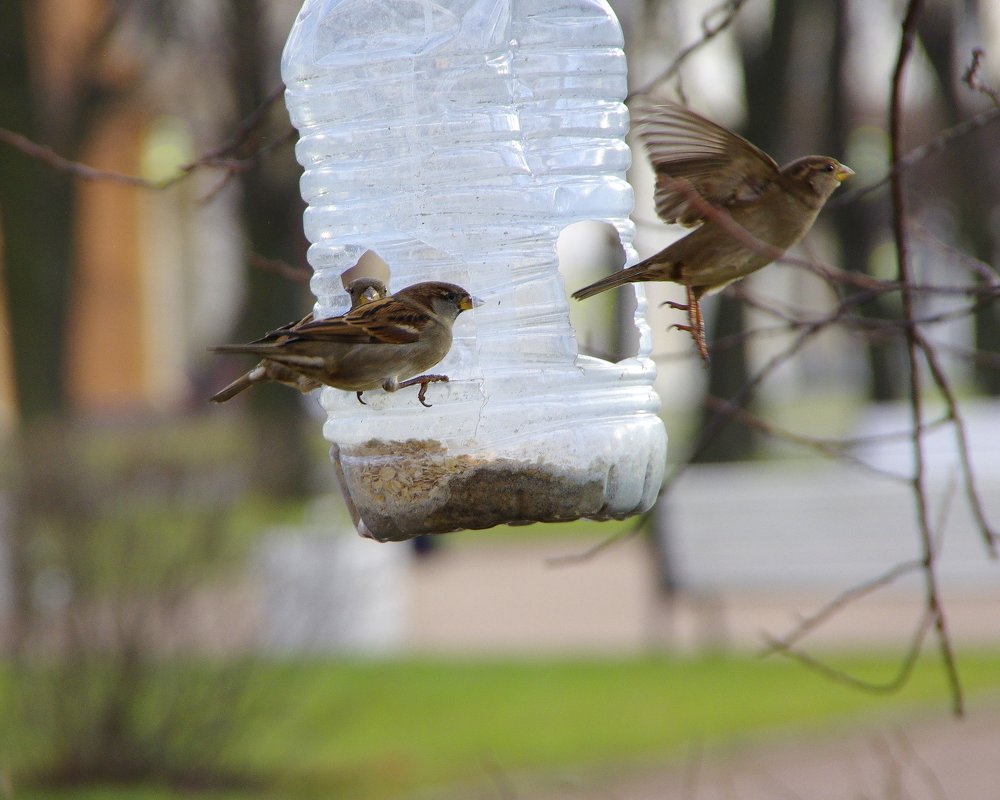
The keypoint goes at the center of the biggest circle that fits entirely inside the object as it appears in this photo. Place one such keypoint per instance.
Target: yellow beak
(843, 173)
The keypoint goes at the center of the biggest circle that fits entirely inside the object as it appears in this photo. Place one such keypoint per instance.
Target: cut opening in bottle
(370, 265)
(605, 326)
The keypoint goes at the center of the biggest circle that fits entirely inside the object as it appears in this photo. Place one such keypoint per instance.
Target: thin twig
(714, 22)
(933, 599)
(855, 593)
(47, 155)
(918, 154)
(593, 550)
(793, 318)
(986, 358)
(962, 441)
(708, 434)
(831, 448)
(224, 156)
(979, 268)
(841, 601)
(971, 77)
(888, 687)
(247, 127)
(235, 166)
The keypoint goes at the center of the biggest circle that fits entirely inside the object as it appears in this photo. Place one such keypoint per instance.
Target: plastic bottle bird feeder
(456, 139)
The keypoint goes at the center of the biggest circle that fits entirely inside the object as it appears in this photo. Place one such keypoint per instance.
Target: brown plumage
(360, 290)
(749, 209)
(386, 343)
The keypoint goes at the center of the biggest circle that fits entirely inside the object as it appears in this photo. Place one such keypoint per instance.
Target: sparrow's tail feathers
(252, 348)
(233, 389)
(615, 279)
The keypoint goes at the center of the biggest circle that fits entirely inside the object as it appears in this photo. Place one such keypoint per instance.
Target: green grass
(431, 721)
(374, 730)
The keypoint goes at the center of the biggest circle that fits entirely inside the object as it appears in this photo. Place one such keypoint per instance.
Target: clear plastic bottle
(456, 139)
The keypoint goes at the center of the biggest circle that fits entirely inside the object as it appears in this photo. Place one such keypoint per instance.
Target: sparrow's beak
(843, 173)
(469, 303)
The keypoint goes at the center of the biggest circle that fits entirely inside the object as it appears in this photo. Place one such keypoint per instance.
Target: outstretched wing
(695, 158)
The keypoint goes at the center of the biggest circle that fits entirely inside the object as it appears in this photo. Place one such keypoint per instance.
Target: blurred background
(184, 604)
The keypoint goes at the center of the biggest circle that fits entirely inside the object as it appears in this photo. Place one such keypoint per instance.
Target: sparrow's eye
(828, 168)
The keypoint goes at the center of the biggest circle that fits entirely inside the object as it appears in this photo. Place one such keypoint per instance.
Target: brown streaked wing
(282, 332)
(723, 168)
(386, 321)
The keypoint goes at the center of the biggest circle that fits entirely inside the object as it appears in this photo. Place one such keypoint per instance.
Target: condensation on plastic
(456, 139)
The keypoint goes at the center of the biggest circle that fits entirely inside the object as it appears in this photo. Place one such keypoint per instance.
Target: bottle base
(398, 490)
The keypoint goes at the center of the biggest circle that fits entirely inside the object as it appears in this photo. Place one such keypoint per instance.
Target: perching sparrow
(750, 210)
(360, 290)
(387, 343)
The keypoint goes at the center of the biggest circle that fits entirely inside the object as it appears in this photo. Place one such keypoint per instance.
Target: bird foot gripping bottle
(456, 139)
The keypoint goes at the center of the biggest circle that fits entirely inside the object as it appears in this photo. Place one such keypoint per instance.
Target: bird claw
(696, 324)
(359, 398)
(424, 381)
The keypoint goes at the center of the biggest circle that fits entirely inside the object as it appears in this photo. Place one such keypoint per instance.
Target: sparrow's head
(815, 177)
(365, 290)
(444, 299)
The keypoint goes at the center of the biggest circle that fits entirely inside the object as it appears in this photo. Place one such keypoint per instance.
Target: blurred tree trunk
(859, 224)
(36, 243)
(36, 209)
(971, 195)
(38, 200)
(271, 212)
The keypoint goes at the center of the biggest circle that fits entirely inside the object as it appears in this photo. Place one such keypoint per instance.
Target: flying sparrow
(360, 290)
(750, 210)
(386, 343)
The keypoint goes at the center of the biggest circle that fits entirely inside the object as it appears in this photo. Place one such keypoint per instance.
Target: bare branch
(232, 156)
(975, 266)
(886, 687)
(740, 399)
(606, 542)
(962, 440)
(841, 601)
(714, 22)
(935, 610)
(986, 358)
(831, 448)
(247, 127)
(918, 154)
(971, 77)
(793, 318)
(234, 166)
(47, 155)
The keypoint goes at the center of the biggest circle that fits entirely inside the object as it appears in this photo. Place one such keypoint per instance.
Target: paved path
(496, 598)
(928, 759)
